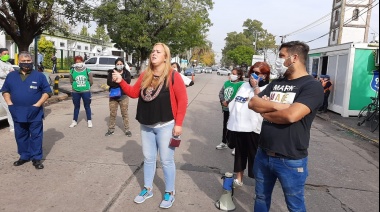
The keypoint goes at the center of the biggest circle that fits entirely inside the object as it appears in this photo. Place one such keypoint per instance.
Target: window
(334, 35)
(355, 15)
(337, 15)
(79, 47)
(91, 61)
(62, 44)
(107, 61)
(86, 48)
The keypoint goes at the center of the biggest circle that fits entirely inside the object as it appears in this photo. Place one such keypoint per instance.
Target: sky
(279, 17)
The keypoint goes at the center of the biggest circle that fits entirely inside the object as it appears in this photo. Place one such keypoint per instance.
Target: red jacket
(178, 95)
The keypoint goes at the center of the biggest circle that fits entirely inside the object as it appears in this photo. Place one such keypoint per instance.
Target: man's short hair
(299, 48)
(3, 50)
(25, 54)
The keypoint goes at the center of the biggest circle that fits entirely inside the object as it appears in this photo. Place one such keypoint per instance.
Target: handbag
(115, 92)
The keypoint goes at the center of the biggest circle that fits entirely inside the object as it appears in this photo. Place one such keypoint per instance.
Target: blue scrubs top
(24, 94)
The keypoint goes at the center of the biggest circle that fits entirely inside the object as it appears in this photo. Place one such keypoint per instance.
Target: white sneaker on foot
(73, 124)
(237, 183)
(89, 124)
(222, 146)
(233, 152)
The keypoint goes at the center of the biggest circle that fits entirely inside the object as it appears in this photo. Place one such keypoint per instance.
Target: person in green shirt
(226, 95)
(81, 79)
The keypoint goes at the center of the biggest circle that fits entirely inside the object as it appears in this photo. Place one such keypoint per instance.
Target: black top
(126, 76)
(291, 140)
(150, 112)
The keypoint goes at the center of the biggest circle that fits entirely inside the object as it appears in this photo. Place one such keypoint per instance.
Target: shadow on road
(53, 136)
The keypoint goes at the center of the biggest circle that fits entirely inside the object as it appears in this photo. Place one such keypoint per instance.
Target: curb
(349, 129)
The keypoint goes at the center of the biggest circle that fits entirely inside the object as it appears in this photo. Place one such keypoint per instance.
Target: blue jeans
(156, 140)
(292, 175)
(29, 138)
(86, 96)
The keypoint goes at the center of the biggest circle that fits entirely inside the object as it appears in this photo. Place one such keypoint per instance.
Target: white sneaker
(237, 183)
(89, 124)
(73, 124)
(222, 146)
(233, 152)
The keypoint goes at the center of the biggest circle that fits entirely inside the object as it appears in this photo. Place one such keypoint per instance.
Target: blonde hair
(148, 80)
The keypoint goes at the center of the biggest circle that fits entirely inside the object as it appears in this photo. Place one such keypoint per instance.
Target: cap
(327, 76)
(314, 74)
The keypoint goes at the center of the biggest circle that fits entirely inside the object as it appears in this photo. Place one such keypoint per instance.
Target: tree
(84, 31)
(138, 25)
(101, 34)
(241, 55)
(233, 40)
(204, 54)
(46, 48)
(260, 36)
(24, 20)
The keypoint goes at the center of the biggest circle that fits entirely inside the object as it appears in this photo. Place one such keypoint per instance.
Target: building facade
(350, 21)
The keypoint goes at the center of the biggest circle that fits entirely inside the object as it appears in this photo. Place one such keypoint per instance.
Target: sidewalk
(350, 124)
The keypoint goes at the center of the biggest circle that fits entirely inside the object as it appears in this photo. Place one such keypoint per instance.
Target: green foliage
(24, 20)
(84, 31)
(47, 49)
(241, 54)
(253, 34)
(100, 33)
(138, 25)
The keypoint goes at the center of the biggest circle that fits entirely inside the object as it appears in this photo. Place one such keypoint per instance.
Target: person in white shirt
(5, 68)
(188, 82)
(244, 125)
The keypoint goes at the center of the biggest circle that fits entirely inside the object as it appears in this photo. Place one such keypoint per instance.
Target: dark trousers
(325, 102)
(86, 96)
(29, 140)
(226, 115)
(54, 71)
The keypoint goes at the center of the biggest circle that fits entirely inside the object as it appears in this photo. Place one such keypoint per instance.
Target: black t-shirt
(291, 140)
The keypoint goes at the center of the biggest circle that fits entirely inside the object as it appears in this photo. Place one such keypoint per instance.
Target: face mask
(280, 67)
(120, 67)
(234, 77)
(5, 58)
(79, 65)
(27, 67)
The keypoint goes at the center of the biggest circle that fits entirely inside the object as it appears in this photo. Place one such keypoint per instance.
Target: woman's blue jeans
(292, 175)
(86, 96)
(156, 140)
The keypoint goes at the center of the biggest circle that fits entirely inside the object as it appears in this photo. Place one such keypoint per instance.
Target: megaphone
(225, 203)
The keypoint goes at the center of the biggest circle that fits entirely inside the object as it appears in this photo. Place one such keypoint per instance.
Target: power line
(348, 21)
(316, 23)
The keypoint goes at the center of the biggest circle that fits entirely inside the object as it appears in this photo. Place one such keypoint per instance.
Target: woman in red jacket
(161, 110)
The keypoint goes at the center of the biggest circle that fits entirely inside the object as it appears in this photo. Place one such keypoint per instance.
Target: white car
(223, 71)
(208, 70)
(100, 65)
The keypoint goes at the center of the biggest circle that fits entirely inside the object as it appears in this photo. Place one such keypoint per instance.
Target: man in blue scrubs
(25, 91)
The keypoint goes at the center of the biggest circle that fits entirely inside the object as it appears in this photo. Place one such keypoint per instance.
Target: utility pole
(255, 43)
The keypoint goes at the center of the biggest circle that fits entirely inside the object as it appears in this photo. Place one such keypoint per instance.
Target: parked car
(3, 112)
(198, 70)
(223, 71)
(208, 70)
(214, 68)
(99, 65)
(189, 72)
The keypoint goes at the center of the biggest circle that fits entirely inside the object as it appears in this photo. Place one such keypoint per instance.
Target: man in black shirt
(288, 106)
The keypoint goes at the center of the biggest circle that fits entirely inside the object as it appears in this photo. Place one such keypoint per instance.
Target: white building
(350, 21)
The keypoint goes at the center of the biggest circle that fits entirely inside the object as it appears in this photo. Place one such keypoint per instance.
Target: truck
(255, 59)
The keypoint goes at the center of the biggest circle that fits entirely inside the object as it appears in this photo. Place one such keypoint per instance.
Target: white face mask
(120, 67)
(280, 67)
(79, 65)
(234, 77)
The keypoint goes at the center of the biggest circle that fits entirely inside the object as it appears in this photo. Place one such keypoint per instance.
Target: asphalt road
(86, 171)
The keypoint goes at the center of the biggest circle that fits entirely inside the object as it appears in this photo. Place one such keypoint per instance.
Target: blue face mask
(28, 67)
